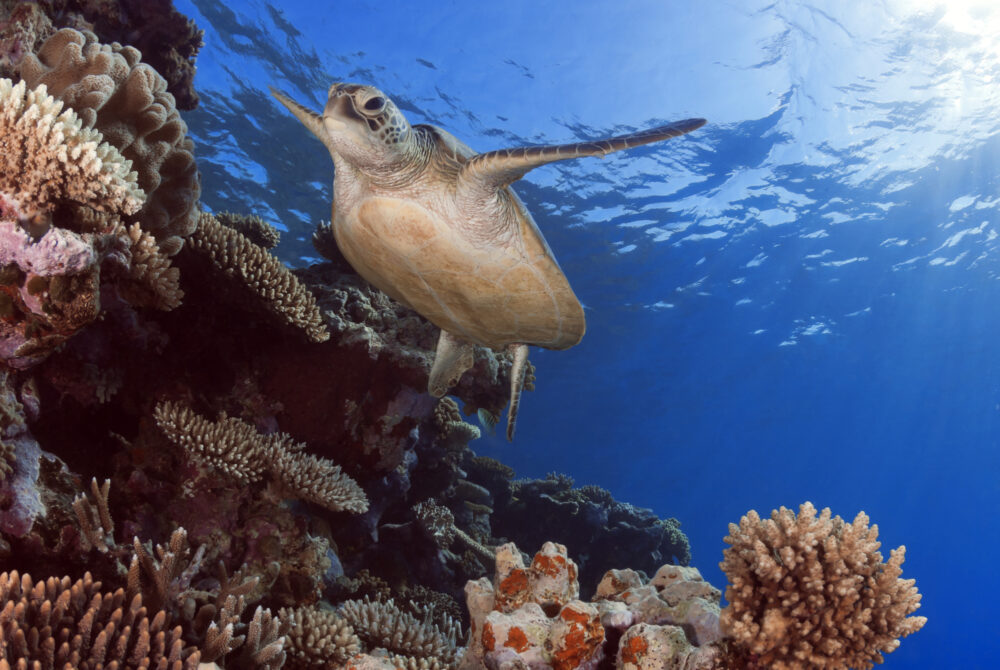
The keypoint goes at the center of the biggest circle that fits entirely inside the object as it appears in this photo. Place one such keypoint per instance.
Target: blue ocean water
(797, 302)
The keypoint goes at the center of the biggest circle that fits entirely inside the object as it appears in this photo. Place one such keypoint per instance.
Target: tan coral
(383, 625)
(253, 227)
(810, 592)
(60, 623)
(49, 158)
(317, 480)
(279, 290)
(236, 450)
(152, 280)
(316, 638)
(228, 445)
(127, 101)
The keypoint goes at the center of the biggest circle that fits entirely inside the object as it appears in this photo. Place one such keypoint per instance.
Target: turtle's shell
(490, 293)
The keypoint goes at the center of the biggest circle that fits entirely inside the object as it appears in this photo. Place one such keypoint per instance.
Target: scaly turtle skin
(436, 226)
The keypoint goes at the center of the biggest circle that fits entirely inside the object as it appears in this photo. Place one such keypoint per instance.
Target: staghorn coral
(813, 592)
(127, 102)
(383, 625)
(237, 450)
(58, 623)
(316, 638)
(252, 227)
(239, 258)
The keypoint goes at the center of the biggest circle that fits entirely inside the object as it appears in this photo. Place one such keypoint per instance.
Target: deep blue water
(797, 302)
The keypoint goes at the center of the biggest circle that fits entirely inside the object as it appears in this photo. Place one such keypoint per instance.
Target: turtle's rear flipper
(453, 358)
(519, 352)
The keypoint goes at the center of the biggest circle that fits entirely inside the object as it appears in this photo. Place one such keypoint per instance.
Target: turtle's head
(366, 128)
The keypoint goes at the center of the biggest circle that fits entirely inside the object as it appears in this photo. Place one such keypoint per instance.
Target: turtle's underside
(435, 225)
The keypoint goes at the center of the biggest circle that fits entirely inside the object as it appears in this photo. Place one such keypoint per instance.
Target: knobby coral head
(810, 591)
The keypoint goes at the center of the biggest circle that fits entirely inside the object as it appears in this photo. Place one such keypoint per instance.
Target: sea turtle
(436, 226)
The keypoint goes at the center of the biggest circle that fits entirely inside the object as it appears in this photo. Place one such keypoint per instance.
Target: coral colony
(206, 458)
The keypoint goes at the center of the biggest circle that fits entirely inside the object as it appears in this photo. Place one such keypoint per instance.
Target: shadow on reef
(237, 464)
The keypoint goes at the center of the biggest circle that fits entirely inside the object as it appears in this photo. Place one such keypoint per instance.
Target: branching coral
(252, 227)
(50, 157)
(238, 451)
(128, 103)
(239, 258)
(317, 637)
(383, 625)
(152, 280)
(813, 592)
(59, 623)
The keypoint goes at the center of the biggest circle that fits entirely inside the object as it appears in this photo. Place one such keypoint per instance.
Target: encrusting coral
(237, 257)
(127, 102)
(237, 450)
(812, 592)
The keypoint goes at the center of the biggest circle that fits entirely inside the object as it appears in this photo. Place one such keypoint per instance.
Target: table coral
(810, 591)
(233, 447)
(278, 290)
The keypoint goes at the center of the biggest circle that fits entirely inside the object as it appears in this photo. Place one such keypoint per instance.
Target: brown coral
(316, 638)
(127, 101)
(59, 623)
(239, 258)
(235, 449)
(253, 227)
(49, 158)
(152, 280)
(810, 592)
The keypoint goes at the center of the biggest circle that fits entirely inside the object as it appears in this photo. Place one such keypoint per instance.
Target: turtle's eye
(375, 104)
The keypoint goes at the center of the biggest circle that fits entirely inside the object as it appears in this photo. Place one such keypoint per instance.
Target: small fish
(489, 420)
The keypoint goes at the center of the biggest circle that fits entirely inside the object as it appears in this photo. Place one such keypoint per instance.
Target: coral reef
(162, 453)
(127, 102)
(813, 592)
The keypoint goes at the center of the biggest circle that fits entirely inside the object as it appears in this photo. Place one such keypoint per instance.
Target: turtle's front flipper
(518, 367)
(496, 169)
(453, 358)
